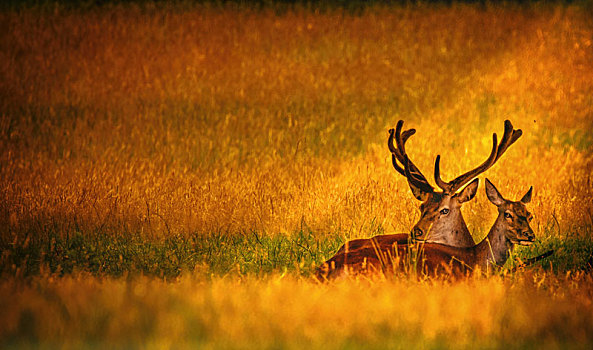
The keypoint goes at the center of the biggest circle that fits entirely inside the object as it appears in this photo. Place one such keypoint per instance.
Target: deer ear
(469, 192)
(493, 194)
(527, 197)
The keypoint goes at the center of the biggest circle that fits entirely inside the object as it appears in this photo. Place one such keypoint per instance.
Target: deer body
(511, 227)
(441, 220)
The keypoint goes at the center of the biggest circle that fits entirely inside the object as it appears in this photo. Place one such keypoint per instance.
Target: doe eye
(444, 211)
(508, 216)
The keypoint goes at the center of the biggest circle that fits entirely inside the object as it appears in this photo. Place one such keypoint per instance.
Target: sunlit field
(172, 175)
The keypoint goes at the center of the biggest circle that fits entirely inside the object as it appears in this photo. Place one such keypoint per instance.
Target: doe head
(513, 215)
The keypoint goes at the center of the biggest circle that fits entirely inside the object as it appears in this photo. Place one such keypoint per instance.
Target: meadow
(171, 174)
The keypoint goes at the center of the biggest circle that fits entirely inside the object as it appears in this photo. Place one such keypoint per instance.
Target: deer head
(441, 220)
(513, 217)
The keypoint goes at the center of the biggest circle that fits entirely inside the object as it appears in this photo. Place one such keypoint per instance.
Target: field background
(170, 175)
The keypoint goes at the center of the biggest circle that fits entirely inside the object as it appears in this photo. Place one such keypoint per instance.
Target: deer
(510, 228)
(440, 220)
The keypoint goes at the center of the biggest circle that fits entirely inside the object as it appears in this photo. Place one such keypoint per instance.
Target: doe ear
(469, 192)
(527, 197)
(493, 195)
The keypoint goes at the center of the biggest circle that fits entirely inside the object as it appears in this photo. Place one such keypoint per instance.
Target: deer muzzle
(527, 237)
(417, 233)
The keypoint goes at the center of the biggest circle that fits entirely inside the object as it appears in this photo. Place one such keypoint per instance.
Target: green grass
(169, 179)
(165, 257)
(246, 253)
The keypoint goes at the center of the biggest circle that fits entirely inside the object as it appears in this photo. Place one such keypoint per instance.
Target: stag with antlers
(441, 220)
(510, 228)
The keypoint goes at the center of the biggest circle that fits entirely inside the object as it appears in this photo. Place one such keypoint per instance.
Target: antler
(407, 169)
(509, 137)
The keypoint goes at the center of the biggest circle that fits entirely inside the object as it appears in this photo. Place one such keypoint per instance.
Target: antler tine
(399, 154)
(509, 137)
(401, 145)
(396, 166)
(437, 175)
(414, 179)
(396, 154)
(454, 185)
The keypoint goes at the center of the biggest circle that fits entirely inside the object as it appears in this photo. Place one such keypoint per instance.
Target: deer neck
(454, 232)
(495, 248)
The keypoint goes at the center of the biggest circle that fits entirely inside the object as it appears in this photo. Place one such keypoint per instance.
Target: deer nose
(417, 232)
(529, 234)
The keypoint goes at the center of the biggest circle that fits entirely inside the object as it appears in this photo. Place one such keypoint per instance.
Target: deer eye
(444, 211)
(508, 216)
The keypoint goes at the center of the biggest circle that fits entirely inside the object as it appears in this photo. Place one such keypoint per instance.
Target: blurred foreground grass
(170, 174)
(534, 310)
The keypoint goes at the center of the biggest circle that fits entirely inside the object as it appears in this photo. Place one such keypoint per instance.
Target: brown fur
(380, 240)
(422, 258)
(387, 254)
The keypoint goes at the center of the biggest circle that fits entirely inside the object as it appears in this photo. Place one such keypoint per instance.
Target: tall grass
(288, 312)
(227, 145)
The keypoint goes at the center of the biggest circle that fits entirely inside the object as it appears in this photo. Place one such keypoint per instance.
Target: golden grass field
(128, 129)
